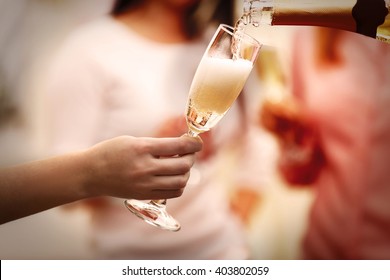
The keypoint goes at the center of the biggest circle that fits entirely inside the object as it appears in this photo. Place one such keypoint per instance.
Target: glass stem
(159, 202)
(192, 133)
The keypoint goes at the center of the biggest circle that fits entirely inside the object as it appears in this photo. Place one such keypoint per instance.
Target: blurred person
(129, 73)
(121, 167)
(124, 167)
(334, 134)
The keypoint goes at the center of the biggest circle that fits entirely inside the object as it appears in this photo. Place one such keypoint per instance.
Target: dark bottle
(361, 16)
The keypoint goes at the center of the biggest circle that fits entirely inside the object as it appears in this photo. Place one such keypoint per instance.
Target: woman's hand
(140, 168)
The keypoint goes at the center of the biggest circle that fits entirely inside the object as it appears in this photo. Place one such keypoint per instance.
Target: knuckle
(188, 145)
(183, 146)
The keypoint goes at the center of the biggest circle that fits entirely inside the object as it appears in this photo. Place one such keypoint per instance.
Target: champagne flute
(219, 79)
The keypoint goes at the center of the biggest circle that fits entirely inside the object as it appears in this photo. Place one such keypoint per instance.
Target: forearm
(125, 167)
(41, 185)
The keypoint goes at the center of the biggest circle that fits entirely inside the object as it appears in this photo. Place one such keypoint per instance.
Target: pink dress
(349, 101)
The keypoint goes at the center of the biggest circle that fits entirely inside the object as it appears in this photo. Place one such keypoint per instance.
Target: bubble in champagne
(245, 18)
(239, 29)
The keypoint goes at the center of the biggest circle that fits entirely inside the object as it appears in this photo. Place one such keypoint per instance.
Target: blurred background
(30, 31)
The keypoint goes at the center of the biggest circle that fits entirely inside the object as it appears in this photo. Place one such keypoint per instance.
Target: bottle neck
(258, 12)
(361, 16)
(369, 14)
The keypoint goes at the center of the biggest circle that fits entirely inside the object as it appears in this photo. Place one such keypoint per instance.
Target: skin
(125, 167)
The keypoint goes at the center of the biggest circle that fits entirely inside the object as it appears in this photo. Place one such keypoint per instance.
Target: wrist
(87, 176)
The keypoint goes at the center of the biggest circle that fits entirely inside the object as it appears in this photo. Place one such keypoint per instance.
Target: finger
(159, 187)
(157, 194)
(174, 165)
(165, 194)
(169, 182)
(175, 146)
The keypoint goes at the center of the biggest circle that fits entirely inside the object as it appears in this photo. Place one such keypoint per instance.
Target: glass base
(153, 213)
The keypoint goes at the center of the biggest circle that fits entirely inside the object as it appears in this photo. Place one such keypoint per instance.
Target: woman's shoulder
(93, 33)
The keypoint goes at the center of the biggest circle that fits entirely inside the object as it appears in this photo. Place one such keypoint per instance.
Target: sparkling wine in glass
(219, 79)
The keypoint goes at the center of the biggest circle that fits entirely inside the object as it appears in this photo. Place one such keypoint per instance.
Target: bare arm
(126, 167)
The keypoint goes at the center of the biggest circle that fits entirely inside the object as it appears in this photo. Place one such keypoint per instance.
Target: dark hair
(224, 12)
(221, 12)
(121, 6)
